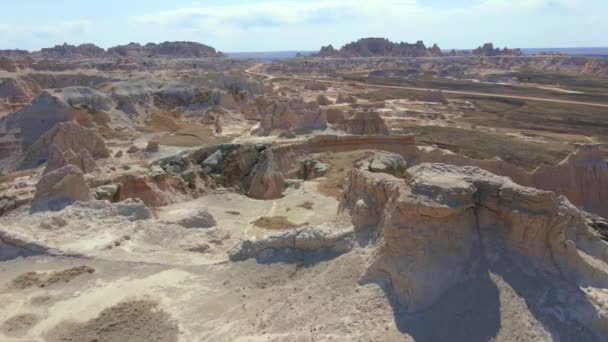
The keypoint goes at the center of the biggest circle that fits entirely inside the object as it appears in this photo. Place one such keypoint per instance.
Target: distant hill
(268, 55)
(577, 51)
(380, 47)
(165, 50)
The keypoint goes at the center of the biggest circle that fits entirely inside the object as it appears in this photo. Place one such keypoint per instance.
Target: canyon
(383, 191)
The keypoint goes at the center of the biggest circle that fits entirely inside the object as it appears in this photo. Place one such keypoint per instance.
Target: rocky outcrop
(312, 168)
(384, 162)
(58, 159)
(364, 123)
(7, 64)
(446, 224)
(61, 187)
(294, 114)
(144, 189)
(488, 50)
(86, 98)
(66, 136)
(581, 176)
(16, 90)
(380, 47)
(38, 117)
(306, 239)
(267, 182)
(166, 50)
(72, 52)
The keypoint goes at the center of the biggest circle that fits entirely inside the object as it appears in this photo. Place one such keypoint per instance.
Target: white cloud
(38, 36)
(273, 13)
(525, 5)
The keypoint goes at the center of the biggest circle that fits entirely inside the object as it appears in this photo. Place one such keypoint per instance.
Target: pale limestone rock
(444, 224)
(305, 239)
(64, 185)
(66, 136)
(267, 182)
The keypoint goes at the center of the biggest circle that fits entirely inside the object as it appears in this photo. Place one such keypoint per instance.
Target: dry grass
(193, 135)
(35, 279)
(276, 223)
(339, 165)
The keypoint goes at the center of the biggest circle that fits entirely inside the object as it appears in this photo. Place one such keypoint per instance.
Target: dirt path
(253, 71)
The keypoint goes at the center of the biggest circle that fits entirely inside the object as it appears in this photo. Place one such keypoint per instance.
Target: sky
(268, 25)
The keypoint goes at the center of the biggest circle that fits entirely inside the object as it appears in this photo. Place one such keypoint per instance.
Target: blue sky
(269, 25)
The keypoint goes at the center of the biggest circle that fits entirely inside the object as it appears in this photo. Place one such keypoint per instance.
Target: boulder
(384, 162)
(202, 219)
(305, 239)
(106, 192)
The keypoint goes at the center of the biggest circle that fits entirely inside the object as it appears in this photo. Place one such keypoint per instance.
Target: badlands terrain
(376, 192)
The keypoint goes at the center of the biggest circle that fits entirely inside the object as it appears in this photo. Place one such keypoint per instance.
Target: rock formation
(59, 158)
(166, 49)
(446, 224)
(379, 47)
(364, 123)
(60, 187)
(38, 117)
(16, 90)
(581, 176)
(488, 50)
(384, 162)
(293, 114)
(72, 52)
(66, 136)
(267, 180)
(306, 239)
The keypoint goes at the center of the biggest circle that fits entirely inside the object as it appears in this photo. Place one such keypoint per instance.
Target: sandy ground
(311, 299)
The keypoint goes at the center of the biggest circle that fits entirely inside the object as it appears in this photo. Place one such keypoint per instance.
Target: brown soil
(36, 279)
(275, 222)
(165, 122)
(19, 325)
(134, 321)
